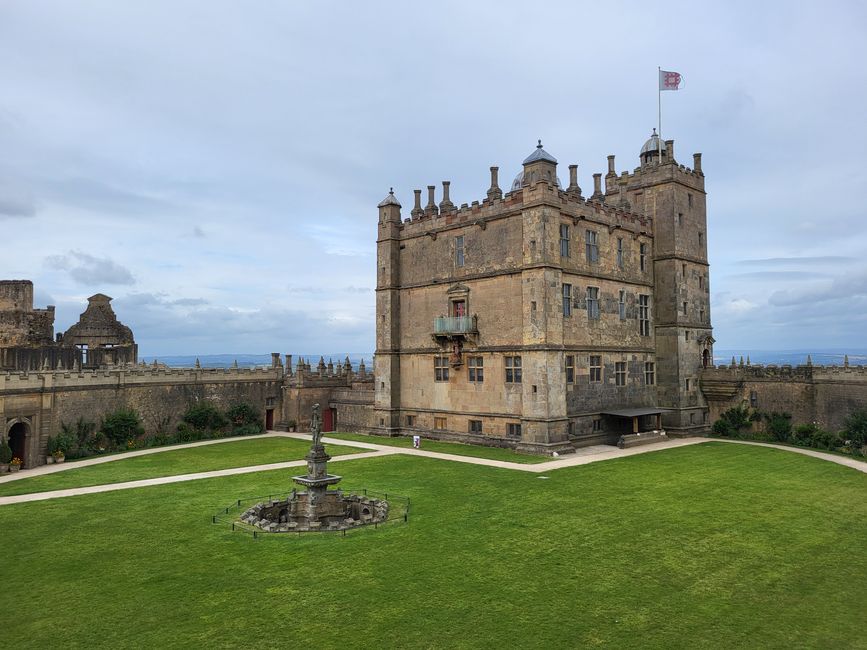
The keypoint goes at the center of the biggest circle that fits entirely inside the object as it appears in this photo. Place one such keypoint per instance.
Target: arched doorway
(18, 440)
(705, 358)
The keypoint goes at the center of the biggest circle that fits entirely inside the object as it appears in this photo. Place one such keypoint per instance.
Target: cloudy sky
(215, 166)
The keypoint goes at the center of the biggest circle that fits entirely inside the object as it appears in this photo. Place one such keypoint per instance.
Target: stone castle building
(543, 319)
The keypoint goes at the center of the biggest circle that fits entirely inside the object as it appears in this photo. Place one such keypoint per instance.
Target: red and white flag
(669, 80)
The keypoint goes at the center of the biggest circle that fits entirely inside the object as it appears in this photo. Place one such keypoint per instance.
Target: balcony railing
(455, 325)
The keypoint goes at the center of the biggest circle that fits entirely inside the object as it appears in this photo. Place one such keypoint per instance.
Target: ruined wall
(354, 406)
(825, 395)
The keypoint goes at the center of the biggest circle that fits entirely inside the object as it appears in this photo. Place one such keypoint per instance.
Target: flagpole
(659, 116)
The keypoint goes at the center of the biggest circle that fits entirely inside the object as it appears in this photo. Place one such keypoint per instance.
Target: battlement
(594, 210)
(805, 372)
(124, 376)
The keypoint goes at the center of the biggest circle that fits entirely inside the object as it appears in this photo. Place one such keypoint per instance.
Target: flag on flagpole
(669, 80)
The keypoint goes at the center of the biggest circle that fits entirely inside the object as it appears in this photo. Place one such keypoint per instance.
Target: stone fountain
(316, 507)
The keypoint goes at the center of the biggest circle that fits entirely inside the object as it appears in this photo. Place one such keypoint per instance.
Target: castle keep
(543, 319)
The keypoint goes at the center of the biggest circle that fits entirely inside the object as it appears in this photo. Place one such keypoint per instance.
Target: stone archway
(705, 358)
(18, 434)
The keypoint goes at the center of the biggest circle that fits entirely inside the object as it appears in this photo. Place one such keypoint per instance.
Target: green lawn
(707, 546)
(257, 451)
(457, 448)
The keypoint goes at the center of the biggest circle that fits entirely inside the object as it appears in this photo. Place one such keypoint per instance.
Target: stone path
(582, 456)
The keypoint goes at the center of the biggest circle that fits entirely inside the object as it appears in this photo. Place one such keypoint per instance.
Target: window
(701, 281)
(683, 270)
(701, 315)
(644, 315)
(642, 256)
(475, 367)
(680, 218)
(686, 335)
(567, 299)
(595, 368)
(597, 424)
(754, 399)
(649, 373)
(593, 303)
(441, 368)
(570, 428)
(688, 385)
(620, 373)
(620, 252)
(689, 200)
(621, 306)
(684, 307)
(592, 246)
(459, 251)
(410, 420)
(513, 370)
(475, 426)
(83, 348)
(570, 368)
(513, 430)
(564, 240)
(458, 308)
(439, 423)
(692, 418)
(701, 239)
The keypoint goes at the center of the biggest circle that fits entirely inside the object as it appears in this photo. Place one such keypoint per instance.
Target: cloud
(90, 270)
(199, 233)
(844, 288)
(799, 261)
(15, 201)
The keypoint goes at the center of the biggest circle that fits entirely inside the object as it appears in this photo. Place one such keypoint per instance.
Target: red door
(328, 419)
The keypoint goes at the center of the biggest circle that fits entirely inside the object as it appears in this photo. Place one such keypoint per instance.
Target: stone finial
(431, 208)
(597, 187)
(446, 204)
(156, 364)
(321, 366)
(809, 360)
(696, 163)
(330, 367)
(611, 171)
(417, 211)
(362, 371)
(573, 181)
(235, 364)
(198, 365)
(748, 359)
(346, 364)
(494, 191)
(741, 362)
(734, 363)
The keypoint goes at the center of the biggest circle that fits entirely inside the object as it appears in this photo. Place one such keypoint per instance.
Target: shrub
(245, 420)
(78, 440)
(810, 435)
(5, 453)
(856, 428)
(204, 416)
(779, 425)
(735, 421)
(186, 433)
(121, 426)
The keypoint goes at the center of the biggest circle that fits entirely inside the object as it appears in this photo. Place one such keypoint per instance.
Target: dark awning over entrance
(636, 412)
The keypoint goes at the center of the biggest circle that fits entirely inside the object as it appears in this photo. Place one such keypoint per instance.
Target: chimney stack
(696, 163)
(597, 186)
(416, 210)
(446, 205)
(431, 207)
(611, 171)
(573, 180)
(669, 150)
(494, 192)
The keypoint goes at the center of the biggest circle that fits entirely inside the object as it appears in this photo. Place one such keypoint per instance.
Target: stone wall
(825, 395)
(45, 400)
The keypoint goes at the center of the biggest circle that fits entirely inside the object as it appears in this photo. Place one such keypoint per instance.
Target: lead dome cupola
(538, 155)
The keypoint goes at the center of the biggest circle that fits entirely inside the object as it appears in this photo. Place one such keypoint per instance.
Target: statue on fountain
(316, 425)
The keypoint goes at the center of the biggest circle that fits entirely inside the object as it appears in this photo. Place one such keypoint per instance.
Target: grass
(707, 546)
(457, 448)
(256, 451)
